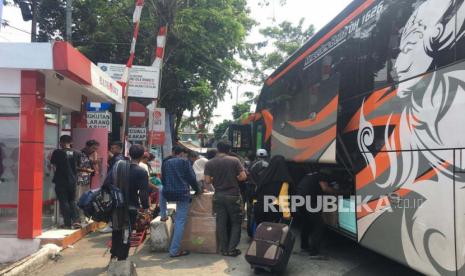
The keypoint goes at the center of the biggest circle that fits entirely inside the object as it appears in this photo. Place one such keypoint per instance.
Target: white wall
(14, 249)
(10, 81)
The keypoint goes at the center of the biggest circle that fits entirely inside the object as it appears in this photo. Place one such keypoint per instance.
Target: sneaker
(107, 229)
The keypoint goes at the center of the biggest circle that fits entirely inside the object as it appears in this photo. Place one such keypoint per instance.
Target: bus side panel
(414, 223)
(460, 209)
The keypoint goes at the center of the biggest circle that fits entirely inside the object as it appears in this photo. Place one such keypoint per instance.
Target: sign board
(156, 138)
(158, 120)
(137, 134)
(96, 106)
(157, 125)
(143, 80)
(137, 114)
(99, 120)
(156, 163)
(105, 84)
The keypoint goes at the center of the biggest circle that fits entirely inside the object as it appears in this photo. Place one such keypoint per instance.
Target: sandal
(232, 253)
(180, 254)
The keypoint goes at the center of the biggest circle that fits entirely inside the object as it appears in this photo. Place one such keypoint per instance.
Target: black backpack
(99, 204)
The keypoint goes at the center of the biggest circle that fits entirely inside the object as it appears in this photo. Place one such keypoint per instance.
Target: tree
(284, 39)
(203, 38)
(220, 129)
(240, 109)
(202, 45)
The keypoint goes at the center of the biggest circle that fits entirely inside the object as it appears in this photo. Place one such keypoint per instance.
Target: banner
(99, 120)
(168, 144)
(137, 134)
(156, 163)
(156, 125)
(143, 80)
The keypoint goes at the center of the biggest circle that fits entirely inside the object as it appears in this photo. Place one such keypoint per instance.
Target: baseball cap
(262, 153)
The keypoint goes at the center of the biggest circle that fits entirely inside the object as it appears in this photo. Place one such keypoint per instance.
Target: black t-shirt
(66, 162)
(310, 186)
(138, 195)
(138, 187)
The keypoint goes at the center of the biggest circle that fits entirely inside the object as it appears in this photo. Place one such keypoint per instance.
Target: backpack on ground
(271, 247)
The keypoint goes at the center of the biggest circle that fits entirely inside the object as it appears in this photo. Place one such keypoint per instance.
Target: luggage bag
(271, 247)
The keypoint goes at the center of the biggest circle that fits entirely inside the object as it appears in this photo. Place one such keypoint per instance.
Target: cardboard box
(202, 205)
(200, 235)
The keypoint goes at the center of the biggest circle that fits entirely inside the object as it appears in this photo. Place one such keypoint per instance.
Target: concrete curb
(31, 264)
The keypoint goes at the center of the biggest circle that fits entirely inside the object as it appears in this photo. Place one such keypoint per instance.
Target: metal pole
(124, 127)
(69, 20)
(34, 21)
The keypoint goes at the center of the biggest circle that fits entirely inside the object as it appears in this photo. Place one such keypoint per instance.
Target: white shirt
(199, 168)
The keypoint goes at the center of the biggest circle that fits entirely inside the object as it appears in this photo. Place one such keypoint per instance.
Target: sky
(316, 12)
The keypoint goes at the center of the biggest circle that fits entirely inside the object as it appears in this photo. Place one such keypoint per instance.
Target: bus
(377, 98)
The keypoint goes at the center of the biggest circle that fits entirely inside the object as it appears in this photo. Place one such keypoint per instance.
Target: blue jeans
(162, 202)
(182, 208)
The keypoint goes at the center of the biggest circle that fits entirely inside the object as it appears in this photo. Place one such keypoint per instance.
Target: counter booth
(43, 91)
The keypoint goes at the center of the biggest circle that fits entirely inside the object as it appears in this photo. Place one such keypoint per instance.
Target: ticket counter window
(49, 209)
(9, 154)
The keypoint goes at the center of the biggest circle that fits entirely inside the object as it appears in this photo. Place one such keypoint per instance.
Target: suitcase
(271, 247)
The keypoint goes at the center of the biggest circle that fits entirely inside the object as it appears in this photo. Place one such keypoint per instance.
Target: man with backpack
(132, 181)
(177, 178)
(66, 162)
(258, 166)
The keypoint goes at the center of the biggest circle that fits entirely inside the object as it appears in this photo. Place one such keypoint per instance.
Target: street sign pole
(124, 128)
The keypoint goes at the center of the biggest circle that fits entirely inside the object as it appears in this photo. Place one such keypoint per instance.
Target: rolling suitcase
(271, 247)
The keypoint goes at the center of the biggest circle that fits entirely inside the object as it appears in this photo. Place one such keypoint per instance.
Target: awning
(192, 147)
(62, 58)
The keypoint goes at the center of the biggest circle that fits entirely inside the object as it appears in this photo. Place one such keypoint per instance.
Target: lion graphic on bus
(418, 159)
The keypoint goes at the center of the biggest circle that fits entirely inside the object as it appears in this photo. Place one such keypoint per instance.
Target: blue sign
(94, 106)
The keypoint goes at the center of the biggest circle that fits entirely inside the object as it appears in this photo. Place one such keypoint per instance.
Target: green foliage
(240, 109)
(203, 38)
(220, 128)
(202, 45)
(284, 39)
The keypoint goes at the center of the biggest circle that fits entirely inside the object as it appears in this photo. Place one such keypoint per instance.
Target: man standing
(86, 170)
(133, 181)
(177, 178)
(258, 166)
(66, 162)
(313, 185)
(116, 149)
(198, 164)
(225, 172)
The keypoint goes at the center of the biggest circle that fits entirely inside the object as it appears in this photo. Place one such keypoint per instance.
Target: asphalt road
(344, 257)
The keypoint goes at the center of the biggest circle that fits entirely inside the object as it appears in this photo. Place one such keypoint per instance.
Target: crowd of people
(239, 186)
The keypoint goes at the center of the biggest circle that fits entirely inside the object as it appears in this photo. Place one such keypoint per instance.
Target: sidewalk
(345, 258)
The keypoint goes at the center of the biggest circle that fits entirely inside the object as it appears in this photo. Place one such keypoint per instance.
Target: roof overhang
(62, 58)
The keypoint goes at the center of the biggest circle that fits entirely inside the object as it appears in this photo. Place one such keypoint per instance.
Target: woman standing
(274, 182)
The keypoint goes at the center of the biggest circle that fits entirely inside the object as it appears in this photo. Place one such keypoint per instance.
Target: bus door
(407, 211)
